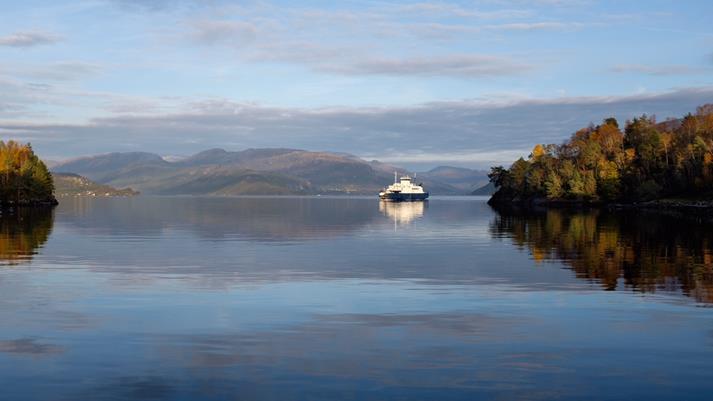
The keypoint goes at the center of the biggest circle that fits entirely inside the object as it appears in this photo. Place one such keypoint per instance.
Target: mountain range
(272, 171)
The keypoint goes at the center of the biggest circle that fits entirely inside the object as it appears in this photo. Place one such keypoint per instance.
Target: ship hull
(399, 197)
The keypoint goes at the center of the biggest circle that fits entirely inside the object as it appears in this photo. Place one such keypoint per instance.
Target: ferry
(403, 190)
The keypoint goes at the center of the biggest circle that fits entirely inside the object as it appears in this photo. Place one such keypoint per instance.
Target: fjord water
(348, 298)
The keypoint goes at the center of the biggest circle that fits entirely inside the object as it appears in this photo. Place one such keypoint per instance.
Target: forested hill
(647, 161)
(24, 178)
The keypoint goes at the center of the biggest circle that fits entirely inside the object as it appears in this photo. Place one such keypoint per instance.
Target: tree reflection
(22, 231)
(642, 251)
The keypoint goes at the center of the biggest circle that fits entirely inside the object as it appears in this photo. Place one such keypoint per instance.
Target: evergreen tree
(24, 178)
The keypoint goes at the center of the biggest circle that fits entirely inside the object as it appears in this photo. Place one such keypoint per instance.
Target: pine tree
(24, 178)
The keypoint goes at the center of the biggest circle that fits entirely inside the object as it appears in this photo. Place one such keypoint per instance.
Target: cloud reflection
(28, 346)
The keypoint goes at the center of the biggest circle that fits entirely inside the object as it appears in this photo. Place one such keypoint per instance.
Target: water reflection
(320, 299)
(22, 232)
(402, 213)
(645, 252)
(265, 219)
(223, 241)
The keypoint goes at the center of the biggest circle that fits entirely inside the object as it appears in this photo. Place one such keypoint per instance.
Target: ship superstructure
(403, 189)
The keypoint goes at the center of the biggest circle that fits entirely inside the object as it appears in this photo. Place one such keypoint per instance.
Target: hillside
(252, 172)
(67, 184)
(464, 179)
(486, 190)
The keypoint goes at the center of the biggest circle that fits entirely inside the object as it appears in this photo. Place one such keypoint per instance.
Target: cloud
(431, 30)
(260, 43)
(474, 133)
(237, 33)
(34, 100)
(537, 26)
(552, 3)
(472, 157)
(55, 71)
(361, 42)
(302, 52)
(449, 65)
(663, 70)
(452, 10)
(16, 97)
(28, 39)
(11, 109)
(152, 5)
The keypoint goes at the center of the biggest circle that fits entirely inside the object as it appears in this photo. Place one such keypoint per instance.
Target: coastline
(29, 203)
(690, 208)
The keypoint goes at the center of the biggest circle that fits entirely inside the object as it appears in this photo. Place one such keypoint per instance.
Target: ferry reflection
(22, 232)
(402, 213)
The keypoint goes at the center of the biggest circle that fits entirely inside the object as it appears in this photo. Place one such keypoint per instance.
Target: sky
(419, 84)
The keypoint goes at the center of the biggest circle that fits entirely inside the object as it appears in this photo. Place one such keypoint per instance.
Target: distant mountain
(67, 184)
(486, 190)
(220, 180)
(109, 167)
(222, 157)
(50, 163)
(464, 179)
(258, 171)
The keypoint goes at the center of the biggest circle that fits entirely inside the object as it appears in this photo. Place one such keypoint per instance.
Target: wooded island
(24, 178)
(601, 164)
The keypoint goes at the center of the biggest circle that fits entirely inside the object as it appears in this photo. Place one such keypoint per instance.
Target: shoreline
(681, 207)
(47, 203)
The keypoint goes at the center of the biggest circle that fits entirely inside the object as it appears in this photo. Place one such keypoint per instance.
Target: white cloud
(453, 10)
(235, 33)
(361, 42)
(55, 71)
(28, 39)
(468, 157)
(537, 26)
(448, 65)
(659, 70)
(475, 133)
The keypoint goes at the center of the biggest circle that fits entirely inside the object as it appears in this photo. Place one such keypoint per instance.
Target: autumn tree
(647, 161)
(24, 178)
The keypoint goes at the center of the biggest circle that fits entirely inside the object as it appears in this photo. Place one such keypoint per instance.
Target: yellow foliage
(23, 176)
(22, 233)
(630, 154)
(539, 254)
(538, 151)
(607, 170)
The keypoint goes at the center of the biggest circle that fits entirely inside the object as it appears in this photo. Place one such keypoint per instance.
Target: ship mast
(394, 177)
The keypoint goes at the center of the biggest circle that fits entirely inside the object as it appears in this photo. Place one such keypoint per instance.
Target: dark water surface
(346, 298)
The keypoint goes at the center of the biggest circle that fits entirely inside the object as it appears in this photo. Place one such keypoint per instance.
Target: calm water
(336, 298)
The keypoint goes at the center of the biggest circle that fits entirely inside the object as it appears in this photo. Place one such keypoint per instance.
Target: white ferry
(403, 190)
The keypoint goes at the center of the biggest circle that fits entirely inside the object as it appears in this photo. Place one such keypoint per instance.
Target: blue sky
(469, 83)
